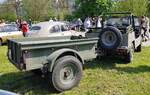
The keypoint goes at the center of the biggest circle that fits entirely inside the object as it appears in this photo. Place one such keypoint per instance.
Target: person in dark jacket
(30, 24)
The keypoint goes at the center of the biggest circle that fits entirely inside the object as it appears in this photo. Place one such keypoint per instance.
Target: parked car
(9, 31)
(53, 29)
(4, 92)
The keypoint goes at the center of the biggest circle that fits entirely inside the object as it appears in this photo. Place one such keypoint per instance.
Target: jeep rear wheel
(67, 73)
(110, 38)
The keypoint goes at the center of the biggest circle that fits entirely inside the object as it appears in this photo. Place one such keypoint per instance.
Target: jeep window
(112, 22)
(117, 21)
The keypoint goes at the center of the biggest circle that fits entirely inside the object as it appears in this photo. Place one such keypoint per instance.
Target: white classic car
(8, 31)
(53, 29)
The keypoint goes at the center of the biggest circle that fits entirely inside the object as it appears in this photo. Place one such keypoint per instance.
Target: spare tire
(109, 38)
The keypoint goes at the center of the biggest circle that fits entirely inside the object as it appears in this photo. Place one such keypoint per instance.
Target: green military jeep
(120, 35)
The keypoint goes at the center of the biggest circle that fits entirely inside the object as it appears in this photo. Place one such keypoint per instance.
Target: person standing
(144, 24)
(50, 20)
(19, 24)
(55, 19)
(87, 23)
(25, 28)
(98, 22)
(79, 23)
(30, 24)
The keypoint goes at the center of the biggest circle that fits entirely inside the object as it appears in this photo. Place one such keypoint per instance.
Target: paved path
(147, 43)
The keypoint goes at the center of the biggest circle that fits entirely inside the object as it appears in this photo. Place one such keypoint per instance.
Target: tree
(61, 8)
(92, 7)
(137, 7)
(37, 9)
(148, 11)
(8, 11)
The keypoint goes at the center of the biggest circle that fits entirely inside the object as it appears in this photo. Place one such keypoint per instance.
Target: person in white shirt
(50, 20)
(87, 23)
(98, 22)
(79, 23)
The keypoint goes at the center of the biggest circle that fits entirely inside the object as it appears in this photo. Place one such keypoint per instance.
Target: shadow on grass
(110, 63)
(27, 82)
(23, 83)
(131, 70)
(105, 63)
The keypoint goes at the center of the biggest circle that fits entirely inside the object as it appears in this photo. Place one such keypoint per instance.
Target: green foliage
(70, 17)
(148, 11)
(137, 7)
(36, 9)
(8, 10)
(61, 8)
(8, 16)
(92, 7)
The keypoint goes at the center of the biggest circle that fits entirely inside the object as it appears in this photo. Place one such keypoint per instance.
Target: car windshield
(117, 21)
(10, 28)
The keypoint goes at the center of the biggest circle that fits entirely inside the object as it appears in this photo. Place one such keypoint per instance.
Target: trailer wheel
(67, 73)
(139, 48)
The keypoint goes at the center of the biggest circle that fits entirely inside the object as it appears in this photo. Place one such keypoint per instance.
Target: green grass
(106, 77)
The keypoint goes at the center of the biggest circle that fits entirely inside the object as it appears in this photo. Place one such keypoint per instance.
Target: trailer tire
(67, 73)
(110, 38)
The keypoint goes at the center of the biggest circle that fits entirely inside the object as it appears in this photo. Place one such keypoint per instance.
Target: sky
(1, 1)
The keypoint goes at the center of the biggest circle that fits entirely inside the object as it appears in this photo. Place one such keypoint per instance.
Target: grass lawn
(106, 77)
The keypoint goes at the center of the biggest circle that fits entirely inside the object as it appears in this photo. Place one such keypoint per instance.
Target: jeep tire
(109, 38)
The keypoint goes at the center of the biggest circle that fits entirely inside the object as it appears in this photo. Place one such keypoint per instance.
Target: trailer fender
(52, 58)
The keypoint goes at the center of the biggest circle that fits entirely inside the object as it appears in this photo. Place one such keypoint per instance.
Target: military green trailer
(63, 57)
